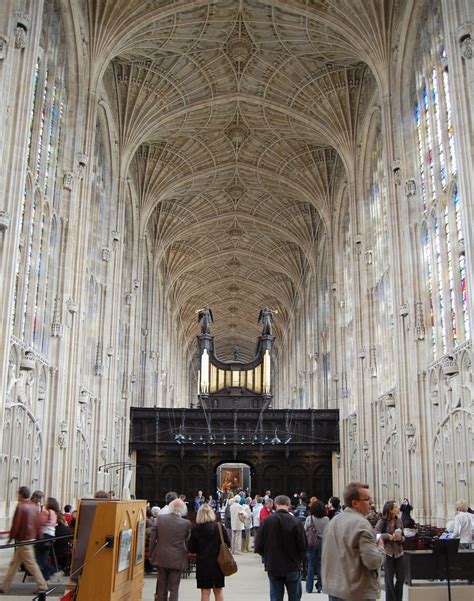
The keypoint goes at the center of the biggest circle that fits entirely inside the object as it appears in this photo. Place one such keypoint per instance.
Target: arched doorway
(233, 477)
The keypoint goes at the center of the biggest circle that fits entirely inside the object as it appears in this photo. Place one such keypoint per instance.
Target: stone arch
(196, 477)
(297, 478)
(271, 479)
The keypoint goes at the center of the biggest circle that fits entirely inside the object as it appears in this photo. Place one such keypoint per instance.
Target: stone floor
(249, 583)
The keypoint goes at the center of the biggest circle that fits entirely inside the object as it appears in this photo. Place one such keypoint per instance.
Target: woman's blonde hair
(462, 505)
(205, 514)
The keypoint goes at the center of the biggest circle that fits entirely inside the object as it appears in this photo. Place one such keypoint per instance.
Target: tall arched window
(43, 154)
(443, 243)
(346, 306)
(378, 265)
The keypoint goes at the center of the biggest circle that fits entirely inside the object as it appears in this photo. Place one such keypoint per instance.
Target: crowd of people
(334, 547)
(36, 521)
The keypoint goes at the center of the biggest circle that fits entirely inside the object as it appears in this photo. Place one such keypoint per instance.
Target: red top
(264, 513)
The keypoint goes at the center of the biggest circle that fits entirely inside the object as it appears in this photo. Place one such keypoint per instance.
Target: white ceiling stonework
(236, 119)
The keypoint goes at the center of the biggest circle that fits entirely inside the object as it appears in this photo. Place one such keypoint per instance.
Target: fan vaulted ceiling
(236, 119)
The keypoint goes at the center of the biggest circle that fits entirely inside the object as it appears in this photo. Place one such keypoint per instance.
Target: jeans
(292, 582)
(42, 552)
(313, 557)
(394, 568)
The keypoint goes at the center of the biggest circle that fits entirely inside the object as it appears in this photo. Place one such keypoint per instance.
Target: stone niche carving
(449, 366)
(366, 450)
(465, 43)
(84, 396)
(410, 431)
(404, 310)
(81, 165)
(388, 399)
(106, 254)
(68, 180)
(3, 47)
(419, 321)
(72, 306)
(4, 220)
(62, 436)
(410, 187)
(27, 361)
(20, 36)
(397, 173)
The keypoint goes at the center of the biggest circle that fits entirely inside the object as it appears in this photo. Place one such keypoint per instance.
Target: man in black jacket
(282, 543)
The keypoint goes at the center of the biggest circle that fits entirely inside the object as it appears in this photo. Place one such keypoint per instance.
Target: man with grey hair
(351, 557)
(282, 543)
(170, 496)
(169, 549)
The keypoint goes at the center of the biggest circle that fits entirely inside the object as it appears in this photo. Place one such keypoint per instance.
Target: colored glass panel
(439, 269)
(430, 286)
(429, 141)
(439, 133)
(421, 153)
(449, 121)
(449, 254)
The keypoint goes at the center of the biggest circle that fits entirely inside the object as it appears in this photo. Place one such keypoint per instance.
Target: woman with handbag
(205, 541)
(389, 531)
(314, 527)
(49, 521)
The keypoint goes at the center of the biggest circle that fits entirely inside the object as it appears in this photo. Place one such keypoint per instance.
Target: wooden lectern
(109, 550)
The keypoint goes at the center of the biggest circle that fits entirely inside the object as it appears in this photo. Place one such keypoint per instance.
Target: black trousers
(393, 568)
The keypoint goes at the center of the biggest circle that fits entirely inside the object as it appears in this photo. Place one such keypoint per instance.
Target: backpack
(312, 535)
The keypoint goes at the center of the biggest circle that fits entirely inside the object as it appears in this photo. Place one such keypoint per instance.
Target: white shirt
(256, 515)
(463, 527)
(235, 522)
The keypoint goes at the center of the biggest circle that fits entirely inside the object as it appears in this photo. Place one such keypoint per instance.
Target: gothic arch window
(346, 312)
(377, 260)
(43, 153)
(443, 241)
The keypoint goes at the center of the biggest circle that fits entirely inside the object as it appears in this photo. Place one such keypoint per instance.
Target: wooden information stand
(110, 545)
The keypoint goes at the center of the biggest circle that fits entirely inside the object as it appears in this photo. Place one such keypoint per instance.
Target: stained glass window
(48, 104)
(421, 153)
(446, 282)
(449, 254)
(462, 264)
(439, 133)
(377, 258)
(430, 287)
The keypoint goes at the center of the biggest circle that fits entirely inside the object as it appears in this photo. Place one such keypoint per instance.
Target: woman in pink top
(49, 520)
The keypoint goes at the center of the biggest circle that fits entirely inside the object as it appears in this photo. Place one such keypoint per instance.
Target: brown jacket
(169, 542)
(26, 522)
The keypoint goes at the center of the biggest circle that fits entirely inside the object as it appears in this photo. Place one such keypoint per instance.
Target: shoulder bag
(312, 535)
(225, 560)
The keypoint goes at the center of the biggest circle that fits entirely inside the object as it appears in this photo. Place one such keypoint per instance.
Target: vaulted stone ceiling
(236, 118)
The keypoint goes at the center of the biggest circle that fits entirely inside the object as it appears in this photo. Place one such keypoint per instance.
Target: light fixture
(179, 438)
(275, 439)
(288, 438)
